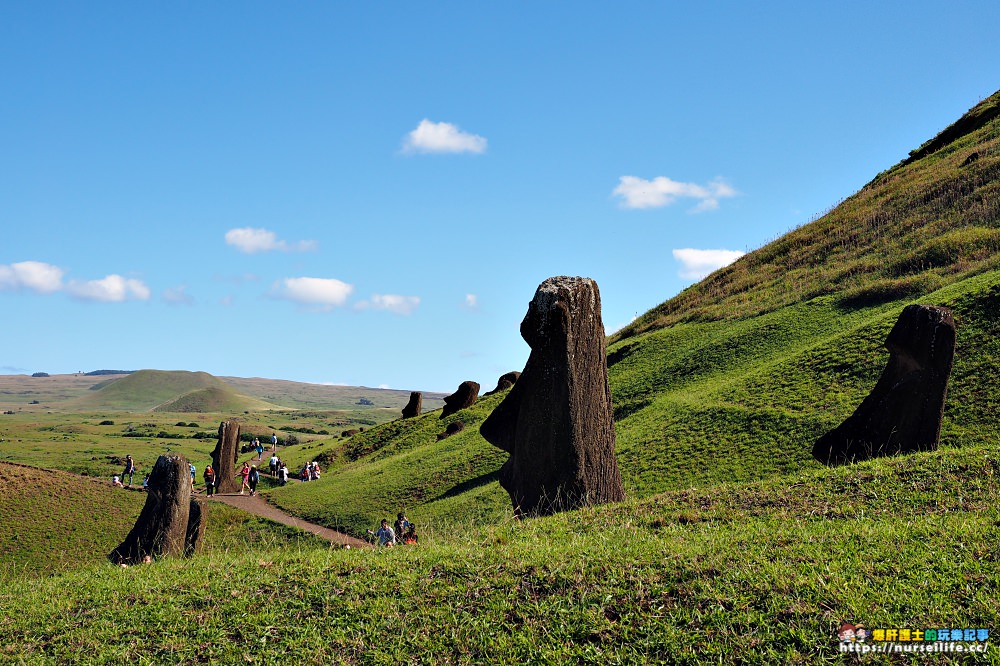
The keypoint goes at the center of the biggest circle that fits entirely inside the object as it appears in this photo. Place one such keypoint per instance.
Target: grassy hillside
(759, 573)
(930, 221)
(736, 378)
(57, 522)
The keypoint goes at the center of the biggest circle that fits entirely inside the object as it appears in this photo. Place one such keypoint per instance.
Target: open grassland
(743, 573)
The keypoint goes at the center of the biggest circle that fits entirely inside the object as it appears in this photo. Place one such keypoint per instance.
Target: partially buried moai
(225, 455)
(903, 412)
(171, 523)
(557, 421)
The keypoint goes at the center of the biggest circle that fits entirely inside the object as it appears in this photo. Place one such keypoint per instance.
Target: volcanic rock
(465, 396)
(225, 456)
(506, 381)
(556, 421)
(454, 427)
(166, 526)
(903, 412)
(414, 406)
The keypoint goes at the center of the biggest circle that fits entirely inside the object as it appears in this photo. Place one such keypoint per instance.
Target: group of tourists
(309, 472)
(403, 532)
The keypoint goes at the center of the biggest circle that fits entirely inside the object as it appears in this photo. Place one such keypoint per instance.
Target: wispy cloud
(111, 289)
(662, 191)
(251, 241)
(32, 275)
(696, 264)
(471, 301)
(431, 137)
(401, 305)
(322, 294)
(178, 296)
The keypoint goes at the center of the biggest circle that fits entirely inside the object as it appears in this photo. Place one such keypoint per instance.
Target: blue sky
(369, 193)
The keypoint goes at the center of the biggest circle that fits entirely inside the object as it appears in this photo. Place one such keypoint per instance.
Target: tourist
(209, 476)
(401, 524)
(272, 464)
(244, 474)
(116, 482)
(145, 482)
(304, 472)
(385, 535)
(274, 442)
(129, 469)
(253, 479)
(410, 538)
(283, 474)
(194, 472)
(259, 448)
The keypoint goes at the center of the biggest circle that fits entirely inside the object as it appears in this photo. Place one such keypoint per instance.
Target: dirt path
(258, 506)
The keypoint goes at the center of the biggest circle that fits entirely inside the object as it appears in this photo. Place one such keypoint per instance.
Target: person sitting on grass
(386, 537)
(116, 482)
(410, 538)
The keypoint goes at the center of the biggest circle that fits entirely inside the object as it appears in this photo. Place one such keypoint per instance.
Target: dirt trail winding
(258, 506)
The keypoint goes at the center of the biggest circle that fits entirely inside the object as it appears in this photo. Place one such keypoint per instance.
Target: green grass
(744, 573)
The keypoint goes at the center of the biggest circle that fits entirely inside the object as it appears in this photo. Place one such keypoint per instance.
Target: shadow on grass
(471, 484)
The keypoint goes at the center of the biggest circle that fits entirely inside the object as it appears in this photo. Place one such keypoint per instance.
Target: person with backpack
(283, 474)
(209, 480)
(253, 479)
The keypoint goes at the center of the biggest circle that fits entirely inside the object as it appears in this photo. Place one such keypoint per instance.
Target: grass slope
(758, 573)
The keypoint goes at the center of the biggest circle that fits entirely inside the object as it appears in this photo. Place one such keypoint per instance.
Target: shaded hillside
(928, 222)
(147, 390)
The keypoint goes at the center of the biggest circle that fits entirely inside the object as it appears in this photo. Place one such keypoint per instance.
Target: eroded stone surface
(903, 412)
(465, 396)
(556, 421)
(414, 406)
(225, 456)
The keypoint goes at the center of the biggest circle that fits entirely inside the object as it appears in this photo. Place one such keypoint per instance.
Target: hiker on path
(272, 464)
(245, 475)
(129, 469)
(209, 480)
(253, 478)
(274, 442)
(259, 448)
(194, 472)
(283, 474)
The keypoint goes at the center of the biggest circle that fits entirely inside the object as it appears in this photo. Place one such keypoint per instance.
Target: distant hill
(161, 390)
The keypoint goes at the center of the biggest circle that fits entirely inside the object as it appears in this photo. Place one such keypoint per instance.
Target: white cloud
(430, 137)
(111, 289)
(696, 264)
(384, 386)
(471, 301)
(178, 296)
(33, 275)
(661, 191)
(250, 241)
(321, 293)
(401, 305)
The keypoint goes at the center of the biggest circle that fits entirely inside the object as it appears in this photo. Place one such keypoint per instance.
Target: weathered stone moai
(225, 456)
(556, 422)
(414, 406)
(903, 412)
(465, 396)
(506, 381)
(453, 428)
(171, 523)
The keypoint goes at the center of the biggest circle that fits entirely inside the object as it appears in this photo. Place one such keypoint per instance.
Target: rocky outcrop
(171, 522)
(556, 421)
(454, 427)
(506, 381)
(414, 406)
(465, 396)
(225, 455)
(903, 412)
